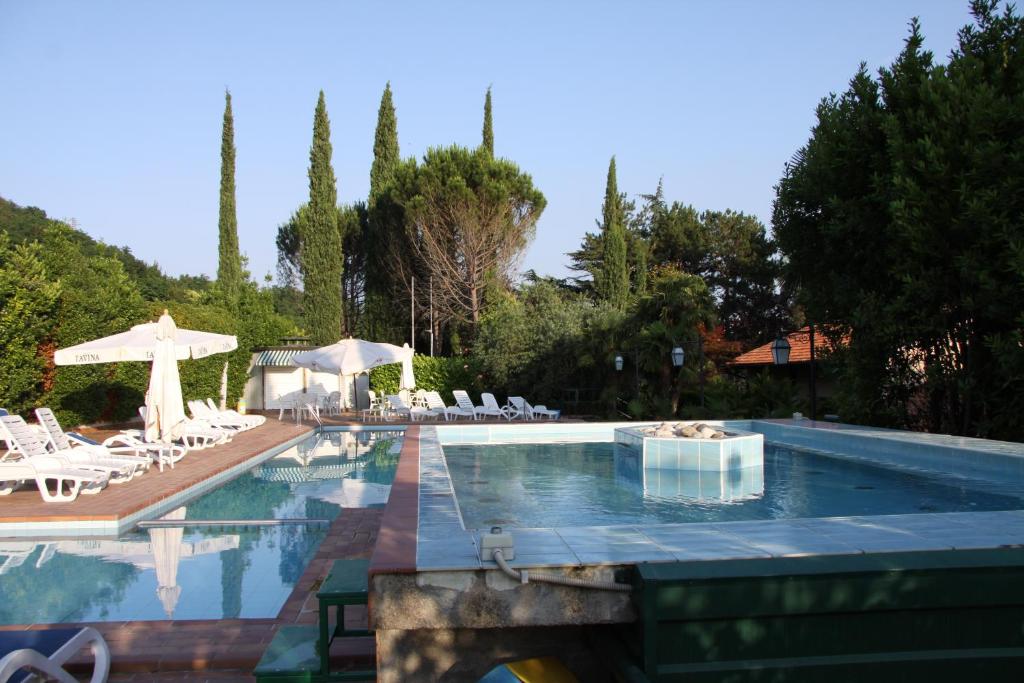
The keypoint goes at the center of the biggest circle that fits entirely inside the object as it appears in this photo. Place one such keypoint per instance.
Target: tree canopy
(901, 220)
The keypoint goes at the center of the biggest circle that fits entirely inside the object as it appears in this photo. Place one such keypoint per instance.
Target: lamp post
(619, 362)
(780, 356)
(678, 356)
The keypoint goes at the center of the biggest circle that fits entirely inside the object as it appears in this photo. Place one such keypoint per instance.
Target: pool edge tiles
(595, 545)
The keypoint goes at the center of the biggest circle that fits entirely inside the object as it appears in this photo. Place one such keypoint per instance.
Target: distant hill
(29, 223)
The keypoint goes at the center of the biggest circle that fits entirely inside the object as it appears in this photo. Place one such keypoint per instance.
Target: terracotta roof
(800, 349)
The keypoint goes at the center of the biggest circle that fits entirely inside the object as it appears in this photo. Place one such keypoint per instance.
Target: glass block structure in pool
(738, 450)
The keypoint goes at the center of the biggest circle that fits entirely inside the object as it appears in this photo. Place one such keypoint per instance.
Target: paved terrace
(117, 502)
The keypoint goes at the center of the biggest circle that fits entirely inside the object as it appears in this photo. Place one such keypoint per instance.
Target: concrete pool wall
(440, 612)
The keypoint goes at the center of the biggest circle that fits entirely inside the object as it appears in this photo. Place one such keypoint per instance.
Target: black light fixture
(678, 356)
(780, 350)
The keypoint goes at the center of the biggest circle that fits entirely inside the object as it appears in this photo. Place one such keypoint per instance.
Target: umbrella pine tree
(321, 256)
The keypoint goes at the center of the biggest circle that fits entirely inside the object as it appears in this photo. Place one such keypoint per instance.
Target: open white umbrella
(352, 356)
(164, 345)
(139, 343)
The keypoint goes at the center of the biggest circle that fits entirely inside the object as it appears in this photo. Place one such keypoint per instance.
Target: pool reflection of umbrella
(166, 542)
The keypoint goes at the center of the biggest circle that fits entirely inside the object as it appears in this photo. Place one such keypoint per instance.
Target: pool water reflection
(204, 572)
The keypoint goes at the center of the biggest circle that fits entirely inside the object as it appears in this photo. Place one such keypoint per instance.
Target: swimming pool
(602, 484)
(206, 571)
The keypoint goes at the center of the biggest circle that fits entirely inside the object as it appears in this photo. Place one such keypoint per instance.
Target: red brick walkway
(120, 500)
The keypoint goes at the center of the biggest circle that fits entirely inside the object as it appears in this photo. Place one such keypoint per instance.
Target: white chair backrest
(27, 440)
(518, 402)
(434, 400)
(49, 423)
(463, 400)
(373, 397)
(211, 405)
(490, 402)
(397, 402)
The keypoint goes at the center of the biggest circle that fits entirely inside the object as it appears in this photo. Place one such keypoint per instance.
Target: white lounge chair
(516, 408)
(437, 405)
(539, 412)
(59, 440)
(251, 421)
(30, 446)
(196, 435)
(162, 452)
(202, 412)
(465, 403)
(400, 407)
(490, 407)
(47, 650)
(57, 482)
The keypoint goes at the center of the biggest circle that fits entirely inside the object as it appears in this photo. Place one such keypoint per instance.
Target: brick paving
(120, 500)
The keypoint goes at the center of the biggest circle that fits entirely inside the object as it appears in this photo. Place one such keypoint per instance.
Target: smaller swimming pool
(192, 571)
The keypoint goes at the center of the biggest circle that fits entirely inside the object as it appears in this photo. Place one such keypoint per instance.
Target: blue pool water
(601, 484)
(204, 572)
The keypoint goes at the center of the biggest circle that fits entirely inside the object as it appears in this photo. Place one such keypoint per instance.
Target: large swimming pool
(201, 571)
(545, 485)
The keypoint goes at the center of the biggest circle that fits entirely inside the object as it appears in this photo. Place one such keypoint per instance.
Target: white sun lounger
(436, 405)
(31, 446)
(58, 440)
(250, 420)
(201, 411)
(490, 407)
(196, 435)
(400, 407)
(47, 650)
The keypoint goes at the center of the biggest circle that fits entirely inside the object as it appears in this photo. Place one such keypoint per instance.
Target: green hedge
(433, 373)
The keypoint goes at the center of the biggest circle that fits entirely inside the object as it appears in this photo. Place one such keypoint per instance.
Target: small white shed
(275, 383)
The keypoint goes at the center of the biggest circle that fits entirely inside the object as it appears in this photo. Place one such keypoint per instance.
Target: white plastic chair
(489, 408)
(47, 650)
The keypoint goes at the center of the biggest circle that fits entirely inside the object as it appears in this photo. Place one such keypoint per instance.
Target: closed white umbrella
(408, 379)
(165, 410)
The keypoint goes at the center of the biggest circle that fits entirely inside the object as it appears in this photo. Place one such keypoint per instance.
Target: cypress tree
(613, 283)
(488, 135)
(229, 267)
(321, 241)
(378, 310)
(385, 146)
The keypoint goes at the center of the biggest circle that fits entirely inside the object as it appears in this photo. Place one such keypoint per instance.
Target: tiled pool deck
(117, 507)
(442, 542)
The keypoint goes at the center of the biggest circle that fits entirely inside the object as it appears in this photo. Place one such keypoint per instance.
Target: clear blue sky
(111, 112)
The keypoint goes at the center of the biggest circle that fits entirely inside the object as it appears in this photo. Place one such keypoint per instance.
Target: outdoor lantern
(780, 350)
(677, 356)
(618, 362)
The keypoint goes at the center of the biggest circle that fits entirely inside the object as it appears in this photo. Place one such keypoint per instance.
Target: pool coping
(435, 538)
